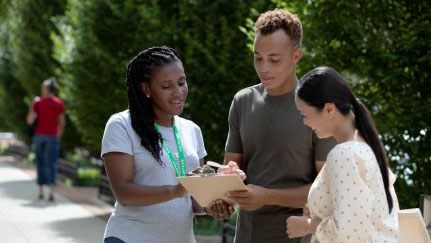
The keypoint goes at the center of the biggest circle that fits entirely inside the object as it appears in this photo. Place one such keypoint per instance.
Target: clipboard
(206, 189)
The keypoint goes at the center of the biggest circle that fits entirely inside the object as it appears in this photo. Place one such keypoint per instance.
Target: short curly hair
(276, 19)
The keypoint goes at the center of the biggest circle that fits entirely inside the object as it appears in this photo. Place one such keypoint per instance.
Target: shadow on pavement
(27, 190)
(80, 230)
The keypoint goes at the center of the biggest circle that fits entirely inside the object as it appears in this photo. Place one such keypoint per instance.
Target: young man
(267, 138)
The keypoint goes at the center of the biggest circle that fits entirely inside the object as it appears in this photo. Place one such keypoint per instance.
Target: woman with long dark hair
(146, 147)
(353, 198)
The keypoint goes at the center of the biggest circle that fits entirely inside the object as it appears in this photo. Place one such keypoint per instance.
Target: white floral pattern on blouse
(349, 196)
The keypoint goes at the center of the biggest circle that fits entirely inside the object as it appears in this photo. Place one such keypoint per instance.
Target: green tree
(27, 30)
(217, 60)
(383, 48)
(99, 37)
(30, 41)
(97, 40)
(12, 107)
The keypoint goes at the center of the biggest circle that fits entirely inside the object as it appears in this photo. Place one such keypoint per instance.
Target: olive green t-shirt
(279, 152)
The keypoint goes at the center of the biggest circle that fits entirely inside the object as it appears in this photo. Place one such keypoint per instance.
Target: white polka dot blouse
(349, 197)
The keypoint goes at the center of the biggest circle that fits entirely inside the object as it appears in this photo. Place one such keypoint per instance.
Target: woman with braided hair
(146, 147)
(353, 197)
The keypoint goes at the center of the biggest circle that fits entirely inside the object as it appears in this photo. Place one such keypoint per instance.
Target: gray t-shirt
(279, 152)
(170, 221)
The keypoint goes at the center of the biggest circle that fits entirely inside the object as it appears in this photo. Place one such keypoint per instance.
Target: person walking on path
(48, 113)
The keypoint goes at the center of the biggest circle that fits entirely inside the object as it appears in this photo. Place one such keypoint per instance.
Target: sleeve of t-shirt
(233, 141)
(116, 138)
(200, 143)
(322, 147)
(61, 108)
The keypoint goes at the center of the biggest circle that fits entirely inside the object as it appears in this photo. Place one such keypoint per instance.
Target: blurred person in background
(47, 115)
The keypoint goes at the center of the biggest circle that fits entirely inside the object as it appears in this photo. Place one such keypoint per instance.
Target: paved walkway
(76, 215)
(24, 218)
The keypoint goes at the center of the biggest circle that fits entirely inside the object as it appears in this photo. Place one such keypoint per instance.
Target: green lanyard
(180, 172)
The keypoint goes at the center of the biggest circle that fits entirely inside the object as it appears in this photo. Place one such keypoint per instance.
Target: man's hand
(220, 209)
(232, 168)
(250, 200)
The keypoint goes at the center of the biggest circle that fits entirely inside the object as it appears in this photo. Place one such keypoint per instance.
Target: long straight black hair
(140, 70)
(325, 85)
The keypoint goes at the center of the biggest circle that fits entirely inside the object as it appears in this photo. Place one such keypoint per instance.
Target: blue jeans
(47, 151)
(113, 240)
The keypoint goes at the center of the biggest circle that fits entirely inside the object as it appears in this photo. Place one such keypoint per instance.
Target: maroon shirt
(47, 110)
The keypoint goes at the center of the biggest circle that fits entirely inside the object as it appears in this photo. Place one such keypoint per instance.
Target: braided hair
(140, 70)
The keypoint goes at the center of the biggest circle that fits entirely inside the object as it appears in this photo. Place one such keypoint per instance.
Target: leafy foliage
(383, 49)
(99, 37)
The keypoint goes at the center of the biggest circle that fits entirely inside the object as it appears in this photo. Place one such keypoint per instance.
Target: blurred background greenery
(381, 47)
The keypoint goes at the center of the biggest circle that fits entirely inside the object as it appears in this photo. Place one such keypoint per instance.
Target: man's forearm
(292, 197)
